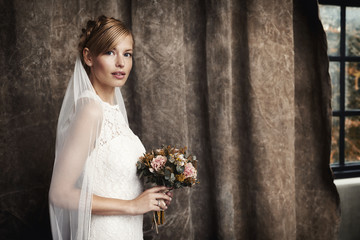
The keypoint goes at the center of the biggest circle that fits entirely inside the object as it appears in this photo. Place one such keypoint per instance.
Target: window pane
(334, 71)
(352, 31)
(352, 78)
(330, 18)
(352, 139)
(334, 157)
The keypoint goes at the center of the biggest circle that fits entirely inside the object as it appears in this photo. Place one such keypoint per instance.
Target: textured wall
(243, 84)
(27, 120)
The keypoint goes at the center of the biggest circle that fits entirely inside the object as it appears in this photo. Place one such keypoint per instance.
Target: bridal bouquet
(168, 166)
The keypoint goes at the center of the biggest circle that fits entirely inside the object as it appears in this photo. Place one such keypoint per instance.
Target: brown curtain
(243, 84)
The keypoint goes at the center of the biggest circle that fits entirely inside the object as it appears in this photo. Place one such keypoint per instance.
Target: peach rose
(158, 162)
(190, 171)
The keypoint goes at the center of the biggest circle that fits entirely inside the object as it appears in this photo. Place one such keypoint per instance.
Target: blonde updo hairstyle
(101, 35)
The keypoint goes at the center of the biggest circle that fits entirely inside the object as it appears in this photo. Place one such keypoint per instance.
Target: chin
(120, 84)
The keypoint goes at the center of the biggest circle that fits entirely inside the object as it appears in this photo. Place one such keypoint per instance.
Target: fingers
(163, 204)
(160, 205)
(157, 189)
(162, 200)
(162, 196)
(170, 194)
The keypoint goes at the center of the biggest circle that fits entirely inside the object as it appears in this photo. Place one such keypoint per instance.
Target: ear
(87, 57)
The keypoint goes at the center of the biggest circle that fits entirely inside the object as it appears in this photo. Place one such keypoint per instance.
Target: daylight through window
(341, 22)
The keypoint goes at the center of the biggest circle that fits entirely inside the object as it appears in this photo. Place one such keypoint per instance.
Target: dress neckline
(106, 103)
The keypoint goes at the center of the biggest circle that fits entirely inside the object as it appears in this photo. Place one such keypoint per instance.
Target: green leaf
(167, 172)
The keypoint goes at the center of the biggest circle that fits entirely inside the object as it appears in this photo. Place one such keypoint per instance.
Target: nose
(120, 62)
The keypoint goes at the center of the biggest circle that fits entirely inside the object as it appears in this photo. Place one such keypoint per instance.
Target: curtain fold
(316, 193)
(243, 84)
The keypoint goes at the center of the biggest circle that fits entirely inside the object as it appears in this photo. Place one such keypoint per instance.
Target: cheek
(130, 65)
(104, 65)
(101, 67)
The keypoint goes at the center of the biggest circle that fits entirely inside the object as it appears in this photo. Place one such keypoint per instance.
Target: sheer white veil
(79, 126)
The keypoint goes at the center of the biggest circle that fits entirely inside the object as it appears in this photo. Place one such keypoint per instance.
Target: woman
(94, 192)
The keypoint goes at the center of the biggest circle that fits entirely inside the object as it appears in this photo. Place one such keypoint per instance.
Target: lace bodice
(115, 176)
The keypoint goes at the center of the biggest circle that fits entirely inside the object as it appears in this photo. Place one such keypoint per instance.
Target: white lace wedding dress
(115, 176)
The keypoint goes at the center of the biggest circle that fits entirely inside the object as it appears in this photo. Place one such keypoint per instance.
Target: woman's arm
(72, 154)
(145, 202)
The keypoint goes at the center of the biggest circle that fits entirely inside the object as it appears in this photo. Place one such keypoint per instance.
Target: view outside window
(352, 31)
(343, 36)
(330, 18)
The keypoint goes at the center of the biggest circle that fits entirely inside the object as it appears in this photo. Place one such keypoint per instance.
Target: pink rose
(158, 162)
(190, 171)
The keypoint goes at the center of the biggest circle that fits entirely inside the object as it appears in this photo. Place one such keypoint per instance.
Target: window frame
(342, 169)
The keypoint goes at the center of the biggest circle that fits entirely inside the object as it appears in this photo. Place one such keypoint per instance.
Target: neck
(106, 93)
(106, 96)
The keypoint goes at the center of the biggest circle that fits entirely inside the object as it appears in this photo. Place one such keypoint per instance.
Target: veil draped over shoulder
(79, 125)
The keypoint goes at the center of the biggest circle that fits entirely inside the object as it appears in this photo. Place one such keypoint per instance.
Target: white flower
(181, 156)
(181, 160)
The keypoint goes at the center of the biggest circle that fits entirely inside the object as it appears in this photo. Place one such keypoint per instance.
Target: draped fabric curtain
(243, 84)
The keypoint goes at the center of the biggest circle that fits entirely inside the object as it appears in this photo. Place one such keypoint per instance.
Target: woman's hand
(153, 199)
(170, 194)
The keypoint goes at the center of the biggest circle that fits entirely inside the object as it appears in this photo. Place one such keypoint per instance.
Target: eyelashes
(109, 53)
(112, 53)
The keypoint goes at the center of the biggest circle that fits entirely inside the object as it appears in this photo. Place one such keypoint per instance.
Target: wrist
(131, 207)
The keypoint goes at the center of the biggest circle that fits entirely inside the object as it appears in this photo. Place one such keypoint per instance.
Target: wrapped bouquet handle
(158, 219)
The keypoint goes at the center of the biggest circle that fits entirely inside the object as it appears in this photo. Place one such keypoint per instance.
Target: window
(341, 21)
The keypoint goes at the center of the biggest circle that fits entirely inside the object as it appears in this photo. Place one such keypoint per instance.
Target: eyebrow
(130, 49)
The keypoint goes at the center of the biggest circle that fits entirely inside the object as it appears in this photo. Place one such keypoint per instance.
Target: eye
(128, 54)
(110, 53)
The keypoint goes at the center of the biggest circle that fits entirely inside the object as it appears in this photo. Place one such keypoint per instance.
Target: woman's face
(112, 68)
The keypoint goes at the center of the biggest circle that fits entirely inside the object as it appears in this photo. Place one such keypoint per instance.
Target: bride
(94, 192)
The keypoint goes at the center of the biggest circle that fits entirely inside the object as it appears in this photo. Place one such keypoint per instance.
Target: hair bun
(90, 24)
(86, 33)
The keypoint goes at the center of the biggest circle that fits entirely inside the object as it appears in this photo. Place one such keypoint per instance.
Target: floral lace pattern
(115, 176)
(114, 125)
